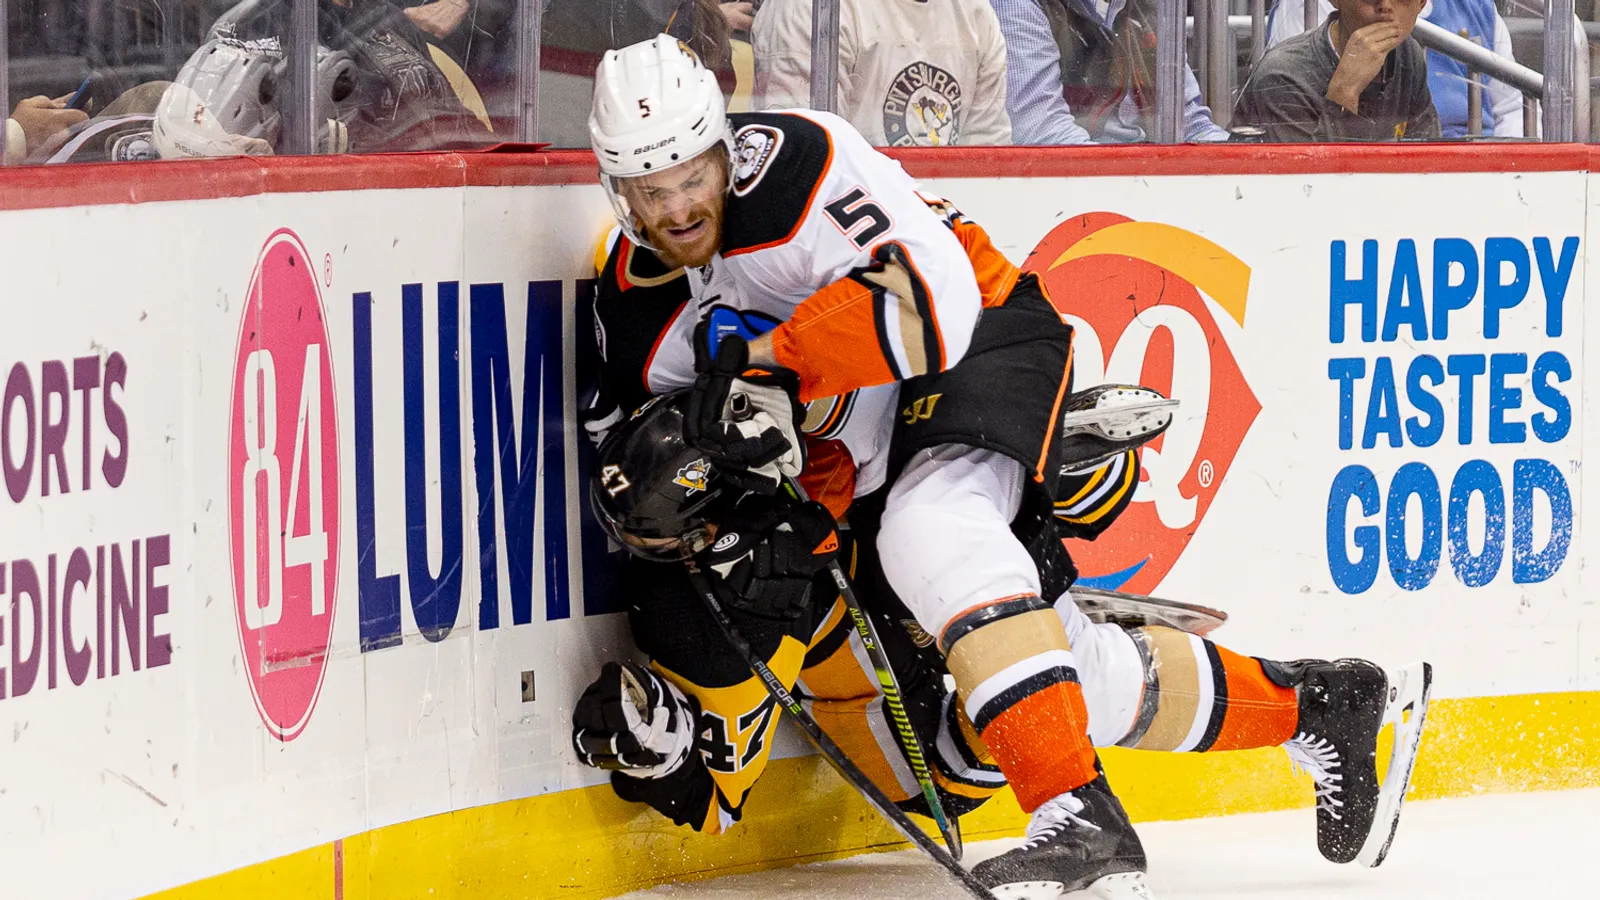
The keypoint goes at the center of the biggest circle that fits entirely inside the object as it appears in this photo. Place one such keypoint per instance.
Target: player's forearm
(761, 351)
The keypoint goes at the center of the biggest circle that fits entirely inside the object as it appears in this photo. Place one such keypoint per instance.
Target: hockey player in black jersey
(659, 498)
(831, 331)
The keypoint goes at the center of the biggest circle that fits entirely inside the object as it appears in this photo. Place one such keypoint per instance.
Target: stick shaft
(825, 745)
(894, 700)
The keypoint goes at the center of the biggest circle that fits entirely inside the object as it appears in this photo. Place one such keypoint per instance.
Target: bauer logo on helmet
(656, 146)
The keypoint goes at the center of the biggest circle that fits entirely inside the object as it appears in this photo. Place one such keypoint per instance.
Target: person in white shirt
(1502, 103)
(924, 73)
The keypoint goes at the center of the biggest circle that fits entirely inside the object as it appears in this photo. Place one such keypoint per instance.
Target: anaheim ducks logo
(694, 476)
(923, 107)
(754, 148)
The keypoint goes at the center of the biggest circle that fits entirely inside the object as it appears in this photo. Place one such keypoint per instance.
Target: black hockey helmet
(654, 490)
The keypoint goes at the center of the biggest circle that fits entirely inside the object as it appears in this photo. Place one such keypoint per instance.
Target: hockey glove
(747, 418)
(764, 565)
(633, 720)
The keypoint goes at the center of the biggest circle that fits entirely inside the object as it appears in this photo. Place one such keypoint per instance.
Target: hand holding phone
(80, 98)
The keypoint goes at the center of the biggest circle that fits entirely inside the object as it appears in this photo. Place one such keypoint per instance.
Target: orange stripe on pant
(843, 701)
(1260, 712)
(1042, 744)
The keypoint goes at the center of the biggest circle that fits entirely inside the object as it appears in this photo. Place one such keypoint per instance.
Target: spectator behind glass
(926, 73)
(474, 42)
(35, 121)
(121, 132)
(1359, 77)
(1083, 71)
(378, 86)
(577, 33)
(1447, 78)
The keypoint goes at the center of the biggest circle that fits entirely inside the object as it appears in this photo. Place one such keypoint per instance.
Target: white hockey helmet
(655, 106)
(226, 101)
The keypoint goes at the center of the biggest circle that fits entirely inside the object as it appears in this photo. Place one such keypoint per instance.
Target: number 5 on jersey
(859, 218)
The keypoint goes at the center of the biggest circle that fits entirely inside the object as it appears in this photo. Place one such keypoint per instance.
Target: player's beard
(693, 250)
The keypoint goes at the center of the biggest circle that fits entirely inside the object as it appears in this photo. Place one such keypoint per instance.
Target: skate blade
(1141, 412)
(1409, 689)
(1134, 610)
(1121, 886)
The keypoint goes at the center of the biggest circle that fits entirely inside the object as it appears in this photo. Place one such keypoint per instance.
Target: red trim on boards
(35, 187)
(1241, 159)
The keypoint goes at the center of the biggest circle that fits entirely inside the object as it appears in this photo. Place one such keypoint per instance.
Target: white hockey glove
(747, 419)
(634, 721)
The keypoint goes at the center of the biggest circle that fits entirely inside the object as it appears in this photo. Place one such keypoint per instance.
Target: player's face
(680, 209)
(1357, 14)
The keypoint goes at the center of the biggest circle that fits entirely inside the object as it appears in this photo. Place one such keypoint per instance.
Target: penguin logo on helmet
(694, 476)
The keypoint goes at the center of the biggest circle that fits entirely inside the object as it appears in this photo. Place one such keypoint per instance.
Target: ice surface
(1497, 847)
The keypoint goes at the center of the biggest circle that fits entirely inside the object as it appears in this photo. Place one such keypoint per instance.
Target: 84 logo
(283, 486)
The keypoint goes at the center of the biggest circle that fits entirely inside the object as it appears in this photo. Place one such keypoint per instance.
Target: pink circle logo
(283, 487)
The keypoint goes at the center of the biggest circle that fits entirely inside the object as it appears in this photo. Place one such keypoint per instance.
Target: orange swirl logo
(1155, 305)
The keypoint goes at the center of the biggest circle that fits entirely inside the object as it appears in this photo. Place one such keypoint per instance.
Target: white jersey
(827, 244)
(926, 73)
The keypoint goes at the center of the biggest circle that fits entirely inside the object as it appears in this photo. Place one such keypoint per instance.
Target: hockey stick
(825, 745)
(949, 829)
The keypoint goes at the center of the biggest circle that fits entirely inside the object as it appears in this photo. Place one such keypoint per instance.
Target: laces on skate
(1318, 758)
(1053, 817)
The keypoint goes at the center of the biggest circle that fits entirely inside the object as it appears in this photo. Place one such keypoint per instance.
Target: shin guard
(1199, 696)
(1018, 681)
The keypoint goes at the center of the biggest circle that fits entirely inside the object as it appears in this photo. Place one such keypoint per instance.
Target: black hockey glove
(633, 720)
(764, 564)
(747, 418)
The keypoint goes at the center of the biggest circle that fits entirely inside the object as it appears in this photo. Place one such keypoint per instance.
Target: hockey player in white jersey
(832, 302)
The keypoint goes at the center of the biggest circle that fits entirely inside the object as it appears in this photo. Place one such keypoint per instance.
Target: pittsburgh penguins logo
(923, 107)
(693, 476)
(754, 148)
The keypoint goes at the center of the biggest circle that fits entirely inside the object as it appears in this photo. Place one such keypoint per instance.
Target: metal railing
(1479, 58)
(824, 54)
(1170, 67)
(1571, 121)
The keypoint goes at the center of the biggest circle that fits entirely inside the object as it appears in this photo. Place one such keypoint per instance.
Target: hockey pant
(969, 541)
(819, 657)
(948, 548)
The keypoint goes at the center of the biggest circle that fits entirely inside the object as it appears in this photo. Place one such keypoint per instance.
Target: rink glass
(509, 70)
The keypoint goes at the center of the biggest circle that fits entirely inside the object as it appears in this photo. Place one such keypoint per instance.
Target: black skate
(1079, 845)
(1109, 419)
(1343, 707)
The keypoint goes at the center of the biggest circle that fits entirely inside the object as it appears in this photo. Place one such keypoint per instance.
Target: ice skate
(1138, 611)
(1109, 419)
(1343, 706)
(1080, 845)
